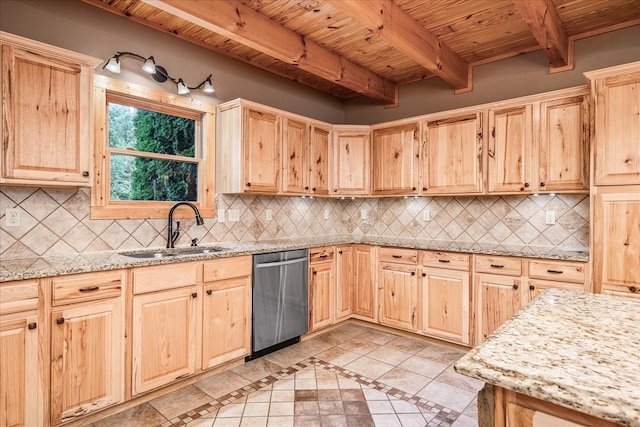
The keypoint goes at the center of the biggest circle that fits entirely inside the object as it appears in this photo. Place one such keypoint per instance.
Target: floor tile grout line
(220, 402)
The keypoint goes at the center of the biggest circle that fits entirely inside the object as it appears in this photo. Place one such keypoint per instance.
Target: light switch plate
(326, 213)
(220, 215)
(426, 215)
(550, 217)
(363, 214)
(268, 214)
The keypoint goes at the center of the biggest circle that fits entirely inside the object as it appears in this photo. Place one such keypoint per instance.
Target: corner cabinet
(396, 159)
(47, 119)
(248, 144)
(321, 288)
(351, 175)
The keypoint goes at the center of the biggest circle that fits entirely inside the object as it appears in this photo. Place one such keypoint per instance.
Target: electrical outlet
(234, 215)
(220, 215)
(326, 213)
(12, 217)
(426, 215)
(363, 214)
(268, 214)
(550, 217)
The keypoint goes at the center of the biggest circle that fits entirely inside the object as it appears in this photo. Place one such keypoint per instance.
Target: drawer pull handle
(89, 289)
(209, 291)
(324, 255)
(443, 260)
(396, 256)
(182, 376)
(32, 325)
(497, 266)
(515, 286)
(59, 320)
(554, 271)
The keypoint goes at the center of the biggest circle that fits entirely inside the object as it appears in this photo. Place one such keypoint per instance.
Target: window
(152, 149)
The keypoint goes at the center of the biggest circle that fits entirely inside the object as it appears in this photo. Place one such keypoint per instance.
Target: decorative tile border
(441, 416)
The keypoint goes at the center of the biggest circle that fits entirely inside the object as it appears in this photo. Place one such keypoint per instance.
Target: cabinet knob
(532, 288)
(542, 183)
(413, 188)
(424, 188)
(313, 188)
(248, 184)
(633, 289)
(335, 190)
(521, 188)
(340, 252)
(424, 274)
(32, 325)
(526, 185)
(515, 286)
(85, 173)
(194, 295)
(306, 188)
(59, 320)
(315, 272)
(209, 291)
(413, 273)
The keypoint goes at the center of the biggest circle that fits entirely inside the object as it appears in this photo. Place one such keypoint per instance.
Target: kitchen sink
(169, 253)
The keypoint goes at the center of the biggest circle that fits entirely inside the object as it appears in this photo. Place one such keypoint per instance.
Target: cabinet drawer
(557, 271)
(498, 265)
(449, 260)
(227, 268)
(403, 256)
(321, 254)
(161, 277)
(631, 291)
(87, 287)
(18, 296)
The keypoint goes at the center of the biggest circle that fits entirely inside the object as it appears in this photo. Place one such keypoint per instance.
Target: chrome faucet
(172, 236)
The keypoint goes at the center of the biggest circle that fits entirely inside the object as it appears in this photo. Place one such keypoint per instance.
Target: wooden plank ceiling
(349, 48)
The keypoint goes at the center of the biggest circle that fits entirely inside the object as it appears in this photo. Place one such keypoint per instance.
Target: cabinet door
(164, 346)
(497, 298)
(509, 150)
(350, 163)
(295, 168)
(261, 144)
(616, 238)
(87, 358)
(321, 295)
(344, 281)
(452, 155)
(319, 161)
(396, 158)
(617, 130)
(445, 304)
(19, 371)
(46, 123)
(364, 286)
(564, 145)
(398, 286)
(226, 321)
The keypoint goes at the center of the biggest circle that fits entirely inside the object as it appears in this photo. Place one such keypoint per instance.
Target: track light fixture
(158, 73)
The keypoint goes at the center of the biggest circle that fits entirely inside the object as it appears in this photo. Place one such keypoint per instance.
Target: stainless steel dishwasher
(280, 300)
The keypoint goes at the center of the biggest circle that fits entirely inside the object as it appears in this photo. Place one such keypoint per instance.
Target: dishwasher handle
(280, 263)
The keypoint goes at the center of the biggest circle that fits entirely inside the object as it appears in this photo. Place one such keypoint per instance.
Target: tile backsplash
(56, 221)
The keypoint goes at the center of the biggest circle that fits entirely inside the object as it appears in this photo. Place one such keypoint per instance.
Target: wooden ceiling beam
(238, 22)
(404, 33)
(544, 23)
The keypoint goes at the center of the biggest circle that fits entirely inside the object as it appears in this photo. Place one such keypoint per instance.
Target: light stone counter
(577, 350)
(32, 268)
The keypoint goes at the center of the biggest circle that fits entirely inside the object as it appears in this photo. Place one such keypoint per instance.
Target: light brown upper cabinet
(305, 160)
(247, 149)
(47, 119)
(319, 160)
(617, 124)
(350, 160)
(510, 149)
(563, 145)
(396, 159)
(452, 155)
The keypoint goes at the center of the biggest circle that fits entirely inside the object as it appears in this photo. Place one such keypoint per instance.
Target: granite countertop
(32, 268)
(573, 349)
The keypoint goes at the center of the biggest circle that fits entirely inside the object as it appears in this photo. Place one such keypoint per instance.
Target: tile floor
(350, 376)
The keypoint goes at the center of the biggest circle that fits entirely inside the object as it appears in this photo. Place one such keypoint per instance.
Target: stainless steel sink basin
(169, 253)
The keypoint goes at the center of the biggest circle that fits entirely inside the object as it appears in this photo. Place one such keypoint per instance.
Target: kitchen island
(566, 356)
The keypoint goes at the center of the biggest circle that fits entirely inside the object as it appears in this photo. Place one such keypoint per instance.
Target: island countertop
(577, 350)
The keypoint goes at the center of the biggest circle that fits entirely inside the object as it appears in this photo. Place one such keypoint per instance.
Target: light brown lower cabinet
(344, 281)
(321, 288)
(21, 388)
(398, 290)
(87, 343)
(365, 299)
(226, 320)
(496, 299)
